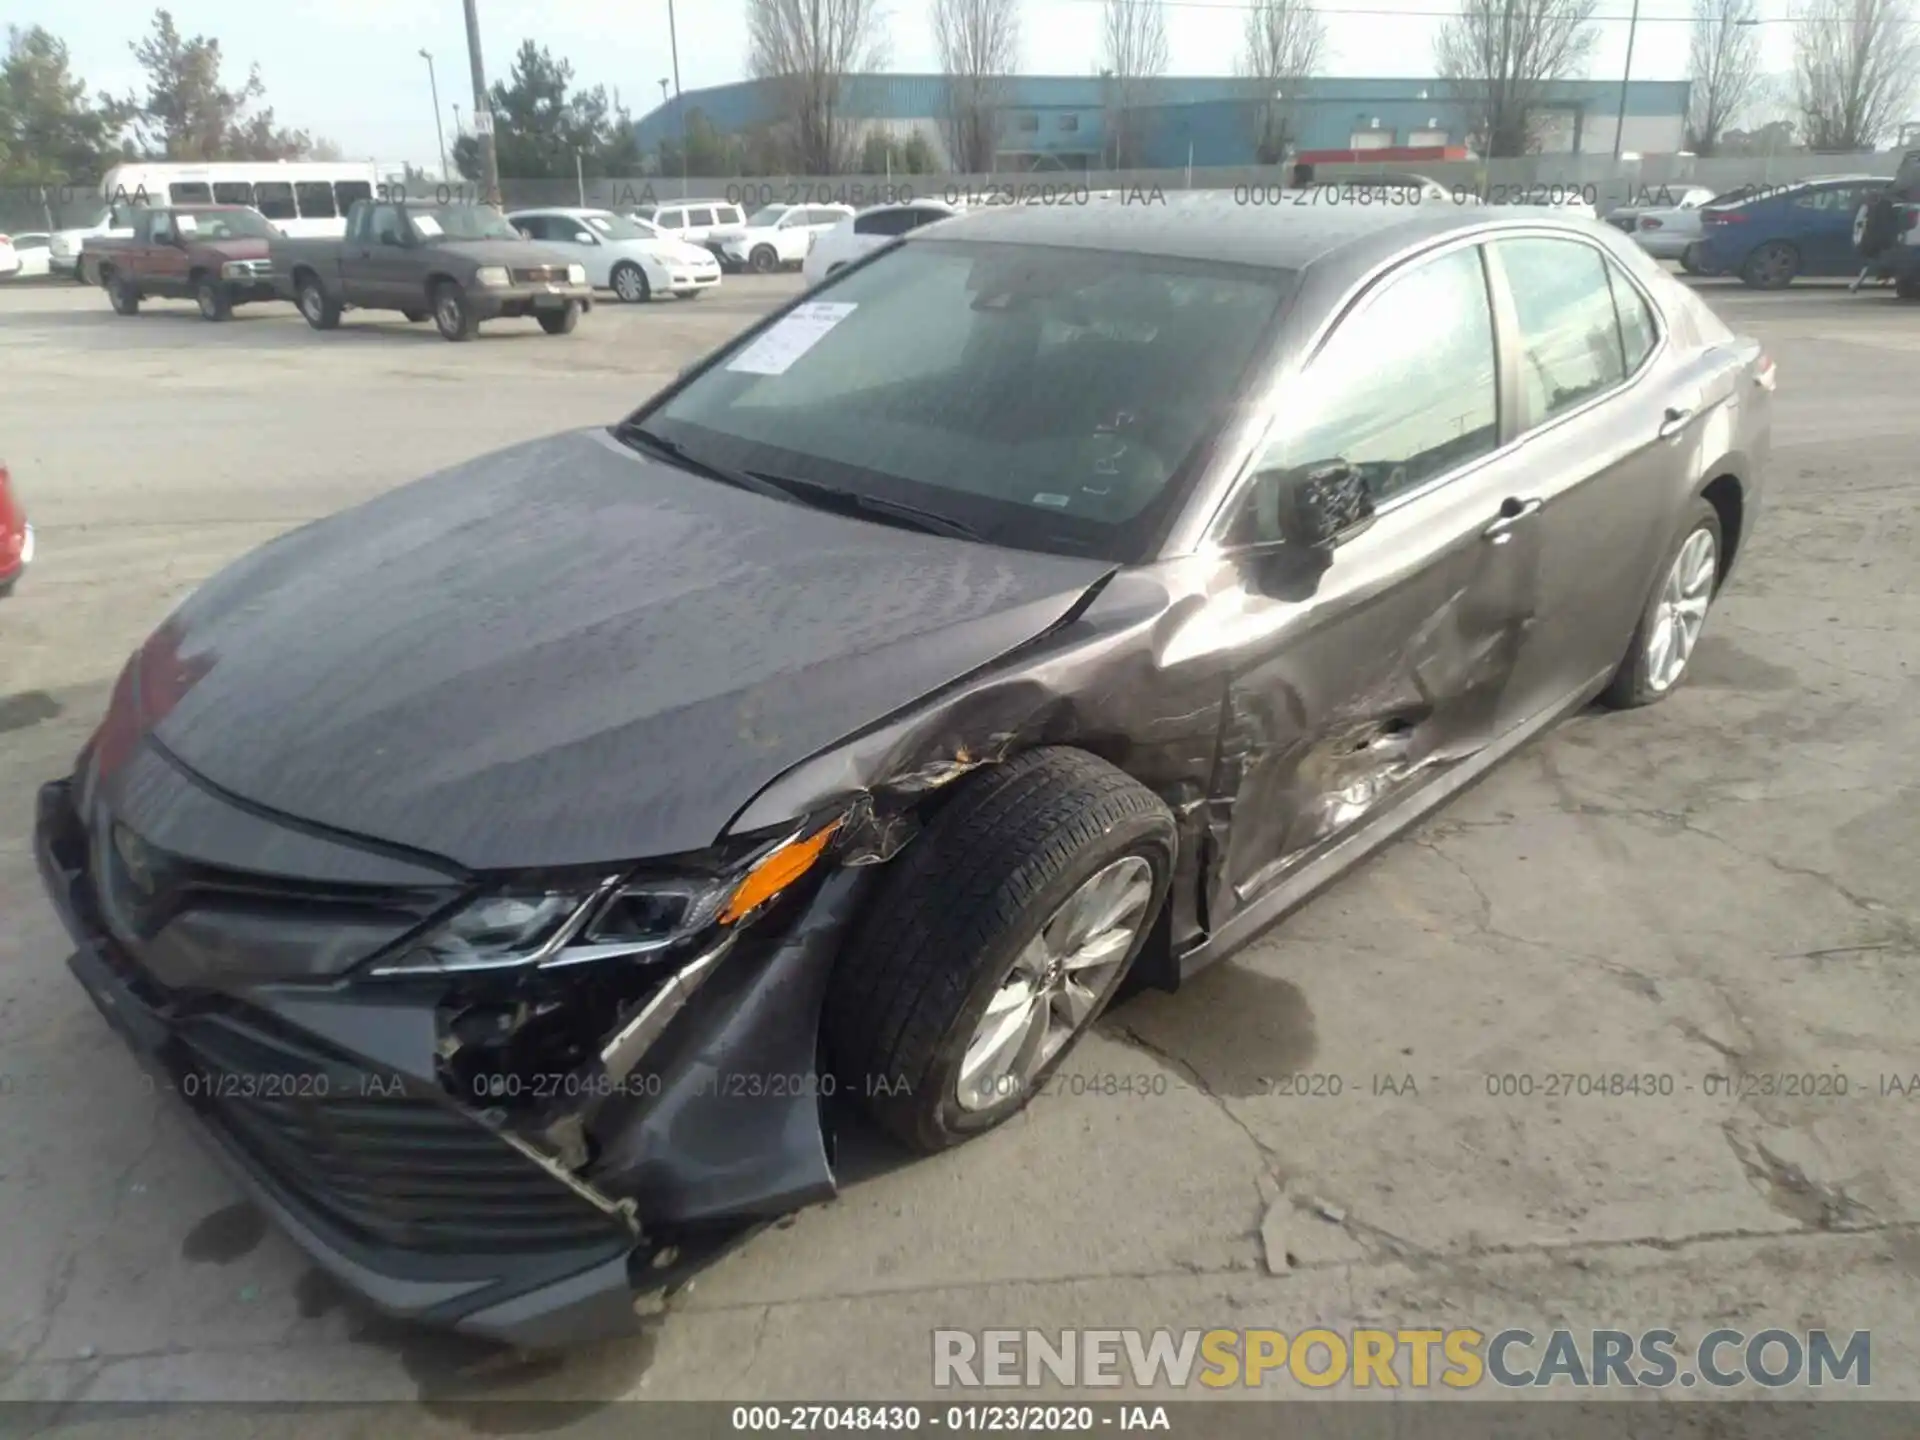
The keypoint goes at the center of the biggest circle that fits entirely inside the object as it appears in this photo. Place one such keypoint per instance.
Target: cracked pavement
(1721, 883)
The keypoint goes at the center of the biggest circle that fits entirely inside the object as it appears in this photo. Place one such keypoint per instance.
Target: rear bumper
(1664, 244)
(16, 554)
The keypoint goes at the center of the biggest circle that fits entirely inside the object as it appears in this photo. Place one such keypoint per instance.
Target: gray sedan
(1052, 598)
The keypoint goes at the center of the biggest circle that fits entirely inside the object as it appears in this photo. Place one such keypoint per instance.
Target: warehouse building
(1064, 122)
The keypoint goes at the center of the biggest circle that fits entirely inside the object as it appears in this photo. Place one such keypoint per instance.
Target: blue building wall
(1211, 118)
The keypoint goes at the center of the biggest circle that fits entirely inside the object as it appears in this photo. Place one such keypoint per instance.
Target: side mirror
(1315, 507)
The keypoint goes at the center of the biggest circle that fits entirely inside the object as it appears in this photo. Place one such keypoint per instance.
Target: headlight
(493, 275)
(236, 270)
(576, 274)
(620, 916)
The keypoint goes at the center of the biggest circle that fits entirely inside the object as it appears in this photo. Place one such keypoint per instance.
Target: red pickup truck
(214, 255)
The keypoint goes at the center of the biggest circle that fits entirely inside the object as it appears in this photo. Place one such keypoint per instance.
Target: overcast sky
(350, 70)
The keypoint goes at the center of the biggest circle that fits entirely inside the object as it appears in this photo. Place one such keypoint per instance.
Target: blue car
(1776, 236)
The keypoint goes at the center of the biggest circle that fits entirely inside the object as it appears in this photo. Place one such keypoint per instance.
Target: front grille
(390, 1169)
(240, 269)
(540, 274)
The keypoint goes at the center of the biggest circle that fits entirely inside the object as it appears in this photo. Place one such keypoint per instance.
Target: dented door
(1351, 687)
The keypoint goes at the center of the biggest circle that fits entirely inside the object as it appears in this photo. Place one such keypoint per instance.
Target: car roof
(1216, 225)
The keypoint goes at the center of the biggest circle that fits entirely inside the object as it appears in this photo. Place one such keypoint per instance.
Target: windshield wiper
(643, 438)
(858, 503)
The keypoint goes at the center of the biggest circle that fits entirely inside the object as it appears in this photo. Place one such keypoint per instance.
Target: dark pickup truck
(458, 264)
(214, 255)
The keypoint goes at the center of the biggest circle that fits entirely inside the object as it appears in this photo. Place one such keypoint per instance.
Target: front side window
(615, 227)
(728, 215)
(1405, 389)
(672, 220)
(1570, 347)
(384, 222)
(229, 225)
(767, 216)
(699, 218)
(534, 227)
(1047, 399)
(882, 222)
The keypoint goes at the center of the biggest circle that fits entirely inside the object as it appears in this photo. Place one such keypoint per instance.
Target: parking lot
(1724, 882)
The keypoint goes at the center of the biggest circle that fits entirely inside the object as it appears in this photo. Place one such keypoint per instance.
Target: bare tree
(1855, 65)
(1498, 57)
(979, 44)
(1284, 44)
(1133, 51)
(809, 48)
(1723, 63)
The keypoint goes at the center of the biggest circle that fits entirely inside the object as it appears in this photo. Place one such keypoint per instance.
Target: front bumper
(691, 282)
(520, 301)
(322, 1103)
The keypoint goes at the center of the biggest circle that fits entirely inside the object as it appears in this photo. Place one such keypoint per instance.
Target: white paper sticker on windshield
(186, 224)
(426, 225)
(774, 352)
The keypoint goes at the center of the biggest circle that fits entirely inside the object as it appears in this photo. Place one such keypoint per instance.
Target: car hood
(569, 653)
(238, 249)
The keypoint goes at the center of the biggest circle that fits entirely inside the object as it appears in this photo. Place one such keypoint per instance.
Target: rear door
(1605, 413)
(1353, 687)
(1823, 228)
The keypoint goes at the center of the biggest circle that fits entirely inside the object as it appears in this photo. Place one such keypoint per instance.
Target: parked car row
(23, 257)
(1827, 227)
(458, 265)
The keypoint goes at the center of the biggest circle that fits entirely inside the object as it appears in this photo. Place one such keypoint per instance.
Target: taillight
(1724, 217)
(1647, 222)
(1763, 372)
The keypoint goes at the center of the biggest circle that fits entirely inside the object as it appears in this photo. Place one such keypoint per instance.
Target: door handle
(1512, 513)
(1675, 420)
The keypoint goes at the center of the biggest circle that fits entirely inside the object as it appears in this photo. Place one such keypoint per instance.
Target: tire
(122, 296)
(1772, 266)
(1907, 287)
(213, 298)
(957, 916)
(1633, 684)
(321, 310)
(1688, 262)
(417, 317)
(560, 322)
(452, 316)
(764, 260)
(629, 282)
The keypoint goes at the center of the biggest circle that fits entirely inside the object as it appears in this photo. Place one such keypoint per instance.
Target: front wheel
(1669, 629)
(452, 314)
(214, 299)
(995, 943)
(1772, 266)
(561, 322)
(764, 260)
(1907, 287)
(630, 283)
(1690, 259)
(320, 309)
(121, 294)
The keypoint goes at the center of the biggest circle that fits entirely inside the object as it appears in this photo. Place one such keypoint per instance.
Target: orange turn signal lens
(776, 872)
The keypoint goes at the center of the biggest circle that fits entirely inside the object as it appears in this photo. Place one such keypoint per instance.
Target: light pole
(439, 133)
(673, 40)
(482, 111)
(1620, 125)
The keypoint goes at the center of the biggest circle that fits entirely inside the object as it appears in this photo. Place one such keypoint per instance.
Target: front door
(376, 268)
(1353, 684)
(163, 263)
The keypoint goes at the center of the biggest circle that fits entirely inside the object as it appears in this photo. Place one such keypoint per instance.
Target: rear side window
(190, 193)
(315, 198)
(827, 217)
(1404, 389)
(229, 192)
(346, 192)
(274, 199)
(1638, 332)
(729, 215)
(883, 222)
(697, 218)
(671, 220)
(1570, 346)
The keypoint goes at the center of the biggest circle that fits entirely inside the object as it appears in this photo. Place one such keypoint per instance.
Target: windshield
(1047, 399)
(228, 225)
(617, 227)
(768, 215)
(462, 222)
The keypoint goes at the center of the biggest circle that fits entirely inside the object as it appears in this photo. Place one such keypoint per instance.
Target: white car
(1625, 217)
(9, 258)
(628, 257)
(64, 246)
(698, 222)
(33, 252)
(869, 230)
(777, 235)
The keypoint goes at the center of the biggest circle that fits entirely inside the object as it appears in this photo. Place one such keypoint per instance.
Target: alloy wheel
(1057, 984)
(1681, 611)
(630, 285)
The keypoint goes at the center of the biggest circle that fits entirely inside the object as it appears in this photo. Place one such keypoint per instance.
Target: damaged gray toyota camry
(520, 875)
